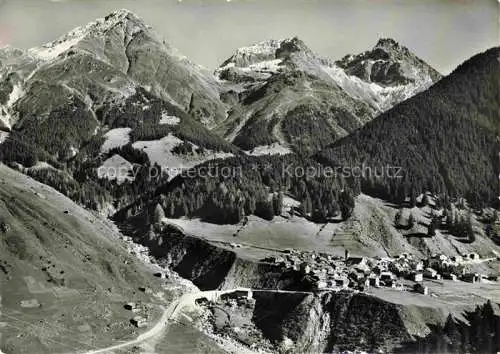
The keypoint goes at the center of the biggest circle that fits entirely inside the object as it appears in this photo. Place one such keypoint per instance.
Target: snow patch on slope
(16, 93)
(53, 50)
(116, 168)
(379, 97)
(3, 136)
(41, 165)
(273, 149)
(6, 119)
(169, 120)
(115, 138)
(160, 152)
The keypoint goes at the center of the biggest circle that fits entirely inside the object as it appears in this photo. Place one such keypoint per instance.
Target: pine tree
(471, 237)
(411, 221)
(158, 214)
(346, 204)
(307, 205)
(277, 203)
(398, 217)
(431, 231)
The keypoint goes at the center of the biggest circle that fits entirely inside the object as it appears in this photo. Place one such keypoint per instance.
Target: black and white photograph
(249, 176)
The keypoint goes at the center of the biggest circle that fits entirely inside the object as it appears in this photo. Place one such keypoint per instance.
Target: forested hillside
(225, 191)
(446, 139)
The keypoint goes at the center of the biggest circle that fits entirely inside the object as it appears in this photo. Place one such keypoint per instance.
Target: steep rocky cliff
(302, 320)
(347, 321)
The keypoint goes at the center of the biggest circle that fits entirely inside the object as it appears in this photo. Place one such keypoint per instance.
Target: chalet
(356, 261)
(342, 282)
(385, 276)
(388, 279)
(417, 277)
(201, 301)
(4, 227)
(430, 273)
(321, 284)
(305, 268)
(397, 268)
(355, 275)
(450, 276)
(471, 278)
(442, 257)
(383, 264)
(419, 288)
(139, 321)
(399, 286)
(132, 306)
(374, 280)
(363, 268)
(474, 256)
(145, 290)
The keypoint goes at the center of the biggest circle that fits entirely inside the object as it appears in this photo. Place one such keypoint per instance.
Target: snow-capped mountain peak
(389, 64)
(130, 23)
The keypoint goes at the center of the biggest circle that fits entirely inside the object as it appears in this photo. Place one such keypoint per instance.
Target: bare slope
(64, 278)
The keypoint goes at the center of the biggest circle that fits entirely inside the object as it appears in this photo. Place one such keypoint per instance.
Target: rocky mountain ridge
(276, 85)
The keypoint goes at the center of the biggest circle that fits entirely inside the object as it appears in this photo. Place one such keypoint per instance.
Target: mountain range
(446, 139)
(286, 94)
(112, 93)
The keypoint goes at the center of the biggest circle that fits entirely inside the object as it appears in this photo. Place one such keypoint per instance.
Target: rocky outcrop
(301, 319)
(194, 259)
(347, 321)
(388, 64)
(210, 267)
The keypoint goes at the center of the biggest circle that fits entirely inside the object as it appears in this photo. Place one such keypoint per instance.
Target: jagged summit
(271, 49)
(387, 42)
(128, 23)
(388, 63)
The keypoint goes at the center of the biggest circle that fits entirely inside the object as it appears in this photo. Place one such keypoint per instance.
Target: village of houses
(332, 273)
(360, 273)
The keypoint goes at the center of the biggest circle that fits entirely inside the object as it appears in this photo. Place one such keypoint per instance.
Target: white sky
(442, 32)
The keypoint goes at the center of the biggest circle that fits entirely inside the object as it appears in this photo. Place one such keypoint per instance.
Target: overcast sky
(442, 32)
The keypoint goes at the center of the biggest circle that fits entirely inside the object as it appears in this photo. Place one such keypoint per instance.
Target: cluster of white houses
(360, 273)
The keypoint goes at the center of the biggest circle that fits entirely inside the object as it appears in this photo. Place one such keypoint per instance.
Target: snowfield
(115, 138)
(273, 149)
(169, 120)
(6, 119)
(16, 93)
(41, 165)
(52, 50)
(160, 152)
(116, 168)
(378, 96)
(3, 136)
